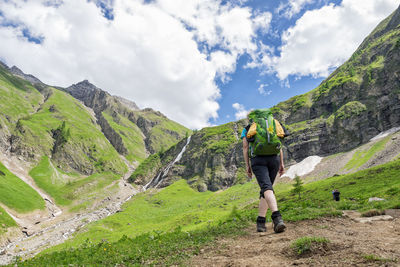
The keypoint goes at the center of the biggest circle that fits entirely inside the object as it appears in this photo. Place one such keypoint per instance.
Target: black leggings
(265, 168)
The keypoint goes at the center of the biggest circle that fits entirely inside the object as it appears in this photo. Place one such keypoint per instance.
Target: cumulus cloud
(324, 38)
(241, 112)
(164, 54)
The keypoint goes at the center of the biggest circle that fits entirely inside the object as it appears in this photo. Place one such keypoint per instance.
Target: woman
(265, 168)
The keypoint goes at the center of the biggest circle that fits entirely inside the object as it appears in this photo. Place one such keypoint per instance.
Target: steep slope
(212, 160)
(18, 98)
(133, 132)
(64, 130)
(355, 103)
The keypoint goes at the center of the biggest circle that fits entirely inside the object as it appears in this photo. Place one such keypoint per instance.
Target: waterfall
(158, 179)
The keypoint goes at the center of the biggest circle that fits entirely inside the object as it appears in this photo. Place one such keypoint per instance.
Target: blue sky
(200, 62)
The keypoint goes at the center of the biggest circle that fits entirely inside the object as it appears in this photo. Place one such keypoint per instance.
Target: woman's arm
(246, 157)
(282, 166)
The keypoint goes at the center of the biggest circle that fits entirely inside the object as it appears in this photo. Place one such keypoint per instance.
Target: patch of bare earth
(351, 244)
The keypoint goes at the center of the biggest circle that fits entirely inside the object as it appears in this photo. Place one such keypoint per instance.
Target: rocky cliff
(355, 103)
(212, 160)
(120, 118)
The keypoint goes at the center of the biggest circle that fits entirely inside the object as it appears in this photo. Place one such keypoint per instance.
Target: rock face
(355, 103)
(212, 160)
(146, 120)
(30, 78)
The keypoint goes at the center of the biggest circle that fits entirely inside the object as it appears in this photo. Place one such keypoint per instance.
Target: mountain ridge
(359, 100)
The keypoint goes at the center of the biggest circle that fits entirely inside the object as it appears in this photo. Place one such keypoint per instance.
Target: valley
(88, 178)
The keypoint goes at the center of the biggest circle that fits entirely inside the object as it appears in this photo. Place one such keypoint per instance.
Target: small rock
(352, 214)
(263, 234)
(3, 251)
(28, 232)
(375, 218)
(371, 199)
(395, 213)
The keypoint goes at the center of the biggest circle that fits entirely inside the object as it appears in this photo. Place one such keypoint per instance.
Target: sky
(200, 62)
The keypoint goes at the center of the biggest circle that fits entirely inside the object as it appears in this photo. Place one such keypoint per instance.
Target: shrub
(297, 186)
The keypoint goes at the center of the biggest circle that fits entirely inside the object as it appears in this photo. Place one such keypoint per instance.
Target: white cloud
(262, 21)
(292, 7)
(262, 89)
(241, 112)
(323, 39)
(149, 53)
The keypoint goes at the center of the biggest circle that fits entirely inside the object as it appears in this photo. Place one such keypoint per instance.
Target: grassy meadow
(69, 188)
(167, 227)
(16, 194)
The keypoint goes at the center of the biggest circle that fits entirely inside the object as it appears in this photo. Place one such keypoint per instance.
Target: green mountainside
(75, 147)
(133, 132)
(355, 103)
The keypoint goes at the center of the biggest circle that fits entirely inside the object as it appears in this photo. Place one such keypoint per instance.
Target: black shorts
(265, 168)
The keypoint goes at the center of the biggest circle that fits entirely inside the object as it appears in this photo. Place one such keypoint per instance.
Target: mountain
(39, 120)
(69, 149)
(355, 103)
(359, 100)
(133, 132)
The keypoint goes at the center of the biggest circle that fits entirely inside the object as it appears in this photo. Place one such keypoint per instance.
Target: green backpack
(262, 135)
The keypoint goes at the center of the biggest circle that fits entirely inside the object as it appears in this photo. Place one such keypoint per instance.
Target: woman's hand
(249, 172)
(281, 169)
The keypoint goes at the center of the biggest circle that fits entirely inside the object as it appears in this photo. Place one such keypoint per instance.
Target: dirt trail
(54, 232)
(350, 242)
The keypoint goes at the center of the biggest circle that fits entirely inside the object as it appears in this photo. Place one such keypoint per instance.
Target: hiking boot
(261, 227)
(277, 222)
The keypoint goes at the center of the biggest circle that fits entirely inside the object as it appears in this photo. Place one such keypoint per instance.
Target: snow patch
(385, 133)
(305, 166)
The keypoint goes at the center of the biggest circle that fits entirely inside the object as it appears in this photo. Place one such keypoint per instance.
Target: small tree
(297, 186)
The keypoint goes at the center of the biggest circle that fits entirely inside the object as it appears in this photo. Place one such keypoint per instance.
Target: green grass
(131, 136)
(307, 244)
(147, 168)
(5, 221)
(218, 139)
(374, 258)
(17, 98)
(86, 145)
(176, 205)
(151, 249)
(159, 137)
(353, 108)
(16, 194)
(66, 188)
(167, 227)
(361, 157)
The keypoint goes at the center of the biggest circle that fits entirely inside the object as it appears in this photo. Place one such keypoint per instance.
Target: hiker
(336, 195)
(262, 146)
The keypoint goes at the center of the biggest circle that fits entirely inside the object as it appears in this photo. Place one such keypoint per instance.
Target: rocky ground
(352, 243)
